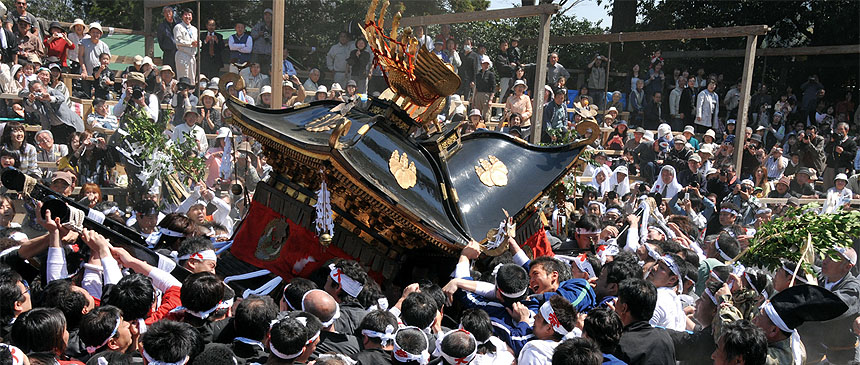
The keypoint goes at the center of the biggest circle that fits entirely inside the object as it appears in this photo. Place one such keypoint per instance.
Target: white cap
(96, 25)
(690, 129)
(322, 89)
(266, 89)
(841, 177)
(223, 132)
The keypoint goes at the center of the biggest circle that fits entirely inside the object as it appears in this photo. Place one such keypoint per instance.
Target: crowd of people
(638, 268)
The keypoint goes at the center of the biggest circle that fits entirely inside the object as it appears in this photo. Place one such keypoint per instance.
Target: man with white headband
(554, 323)
(410, 347)
(722, 247)
(104, 329)
(323, 306)
(640, 342)
(726, 218)
(782, 277)
(251, 323)
(345, 282)
(499, 300)
(195, 207)
(201, 294)
(667, 275)
(456, 347)
(377, 338)
(197, 254)
(696, 347)
(168, 343)
(835, 339)
(293, 338)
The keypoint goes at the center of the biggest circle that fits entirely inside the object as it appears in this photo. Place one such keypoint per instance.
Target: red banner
(540, 244)
(271, 241)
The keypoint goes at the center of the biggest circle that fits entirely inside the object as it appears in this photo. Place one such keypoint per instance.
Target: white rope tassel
(325, 216)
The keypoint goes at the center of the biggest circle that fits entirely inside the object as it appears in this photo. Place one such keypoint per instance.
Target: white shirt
(537, 352)
(196, 131)
(185, 35)
(502, 356)
(668, 313)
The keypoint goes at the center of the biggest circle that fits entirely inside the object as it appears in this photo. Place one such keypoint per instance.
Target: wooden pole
(744, 104)
(540, 78)
(199, 55)
(606, 86)
(149, 47)
(276, 76)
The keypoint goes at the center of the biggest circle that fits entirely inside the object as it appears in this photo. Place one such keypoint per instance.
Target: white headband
(386, 337)
(304, 322)
(730, 211)
(202, 315)
(348, 284)
(513, 295)
(170, 233)
(724, 255)
(673, 266)
(749, 281)
(549, 316)
(152, 361)
(799, 277)
(582, 263)
(586, 231)
(455, 360)
(92, 349)
(200, 255)
(403, 356)
(774, 317)
(713, 299)
(336, 309)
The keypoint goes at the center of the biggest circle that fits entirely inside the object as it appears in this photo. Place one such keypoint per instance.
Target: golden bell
(325, 239)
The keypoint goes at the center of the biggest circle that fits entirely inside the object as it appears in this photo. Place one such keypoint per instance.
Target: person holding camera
(840, 151)
(183, 100)
(261, 34)
(51, 107)
(811, 149)
(135, 100)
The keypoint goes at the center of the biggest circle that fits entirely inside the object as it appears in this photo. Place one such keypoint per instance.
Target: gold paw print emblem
(492, 172)
(402, 169)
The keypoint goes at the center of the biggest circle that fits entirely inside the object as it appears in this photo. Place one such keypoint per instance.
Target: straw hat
(167, 68)
(135, 77)
(336, 87)
(96, 25)
(208, 93)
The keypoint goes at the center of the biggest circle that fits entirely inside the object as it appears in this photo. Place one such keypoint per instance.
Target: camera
(136, 92)
(38, 95)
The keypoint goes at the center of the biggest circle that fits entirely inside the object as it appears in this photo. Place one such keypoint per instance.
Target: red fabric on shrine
(540, 244)
(301, 244)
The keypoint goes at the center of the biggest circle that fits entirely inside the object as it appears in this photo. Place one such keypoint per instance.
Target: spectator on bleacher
(165, 37)
(645, 157)
(51, 108)
(485, 86)
(241, 44)
(247, 166)
(29, 43)
(337, 56)
(103, 77)
(214, 155)
(89, 51)
(454, 56)
(519, 74)
(58, 44)
(618, 137)
(521, 104)
(811, 149)
(92, 193)
(287, 67)
(438, 50)
(191, 129)
(468, 70)
(136, 66)
(9, 158)
(100, 118)
(679, 154)
(312, 83)
(187, 43)
(210, 54)
(636, 103)
(504, 67)
(15, 16)
(351, 91)
(93, 160)
(687, 104)
(707, 107)
(423, 39)
(77, 34)
(359, 65)
(615, 103)
(183, 101)
(13, 140)
(167, 85)
(265, 99)
(554, 115)
(210, 117)
(7, 213)
(48, 151)
(262, 41)
(655, 80)
(676, 115)
(136, 99)
(254, 78)
(555, 70)
(8, 47)
(840, 150)
(55, 81)
(653, 111)
(597, 74)
(293, 96)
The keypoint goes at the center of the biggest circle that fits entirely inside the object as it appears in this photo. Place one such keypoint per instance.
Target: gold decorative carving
(402, 169)
(492, 172)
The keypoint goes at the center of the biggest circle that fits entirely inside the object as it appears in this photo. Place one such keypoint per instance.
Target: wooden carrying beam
(660, 35)
(765, 52)
(478, 16)
(115, 30)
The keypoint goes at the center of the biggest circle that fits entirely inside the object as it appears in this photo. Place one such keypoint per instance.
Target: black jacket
(337, 343)
(373, 357)
(251, 353)
(653, 115)
(165, 36)
(834, 338)
(11, 48)
(687, 105)
(485, 81)
(642, 344)
(351, 315)
(503, 65)
(693, 347)
(844, 160)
